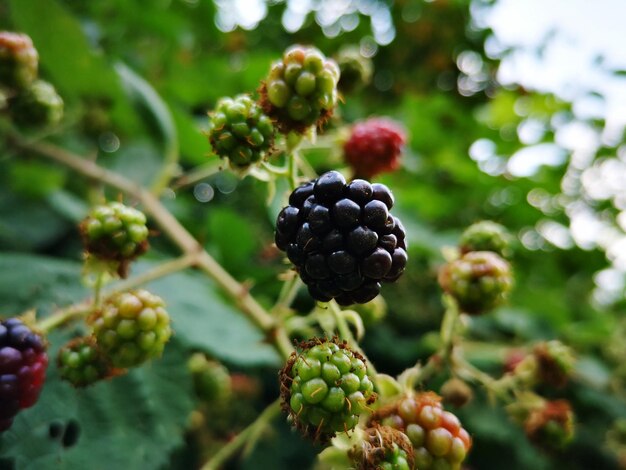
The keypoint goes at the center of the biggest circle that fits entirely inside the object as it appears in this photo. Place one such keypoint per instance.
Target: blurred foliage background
(138, 78)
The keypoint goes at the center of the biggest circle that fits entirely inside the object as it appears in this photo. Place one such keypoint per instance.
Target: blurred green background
(138, 77)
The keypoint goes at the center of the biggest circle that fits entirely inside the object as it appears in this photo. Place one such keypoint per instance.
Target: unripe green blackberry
(210, 378)
(301, 89)
(37, 105)
(18, 60)
(131, 328)
(115, 232)
(439, 441)
(324, 388)
(479, 281)
(486, 236)
(383, 448)
(356, 70)
(81, 363)
(239, 131)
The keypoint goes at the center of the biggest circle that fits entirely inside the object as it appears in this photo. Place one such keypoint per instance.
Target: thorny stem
(175, 231)
(226, 452)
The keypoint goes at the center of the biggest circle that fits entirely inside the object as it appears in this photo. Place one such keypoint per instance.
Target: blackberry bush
(23, 363)
(324, 388)
(301, 89)
(342, 238)
(239, 131)
(131, 328)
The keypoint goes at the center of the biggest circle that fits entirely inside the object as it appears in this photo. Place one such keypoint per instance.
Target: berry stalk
(175, 231)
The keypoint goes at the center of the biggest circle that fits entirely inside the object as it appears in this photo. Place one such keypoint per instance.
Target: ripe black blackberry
(342, 238)
(23, 363)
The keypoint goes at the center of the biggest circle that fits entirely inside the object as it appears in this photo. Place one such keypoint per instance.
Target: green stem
(346, 334)
(175, 231)
(226, 452)
(63, 316)
(97, 288)
(287, 294)
(197, 174)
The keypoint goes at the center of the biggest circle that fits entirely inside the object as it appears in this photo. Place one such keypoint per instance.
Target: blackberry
(550, 424)
(211, 379)
(438, 439)
(342, 239)
(479, 281)
(131, 328)
(486, 236)
(115, 232)
(37, 105)
(383, 448)
(374, 147)
(239, 131)
(356, 70)
(301, 89)
(18, 60)
(324, 388)
(23, 363)
(81, 363)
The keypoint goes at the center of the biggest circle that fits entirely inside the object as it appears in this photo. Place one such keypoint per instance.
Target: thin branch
(175, 231)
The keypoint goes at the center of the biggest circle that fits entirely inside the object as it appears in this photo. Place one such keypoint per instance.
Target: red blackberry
(342, 238)
(23, 362)
(374, 147)
(438, 439)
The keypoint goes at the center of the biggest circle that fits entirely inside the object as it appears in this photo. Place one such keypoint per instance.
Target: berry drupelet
(342, 238)
(23, 363)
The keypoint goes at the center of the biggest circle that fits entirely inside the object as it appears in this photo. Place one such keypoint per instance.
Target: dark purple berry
(316, 267)
(362, 240)
(360, 191)
(319, 220)
(346, 213)
(287, 222)
(333, 241)
(341, 262)
(382, 193)
(366, 292)
(375, 215)
(376, 265)
(300, 194)
(399, 259)
(329, 187)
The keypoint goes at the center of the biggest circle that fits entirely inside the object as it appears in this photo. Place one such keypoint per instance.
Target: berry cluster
(438, 439)
(383, 448)
(211, 379)
(479, 281)
(486, 236)
(31, 102)
(301, 89)
(23, 363)
(81, 363)
(342, 238)
(131, 328)
(115, 232)
(374, 147)
(325, 387)
(550, 425)
(19, 60)
(239, 131)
